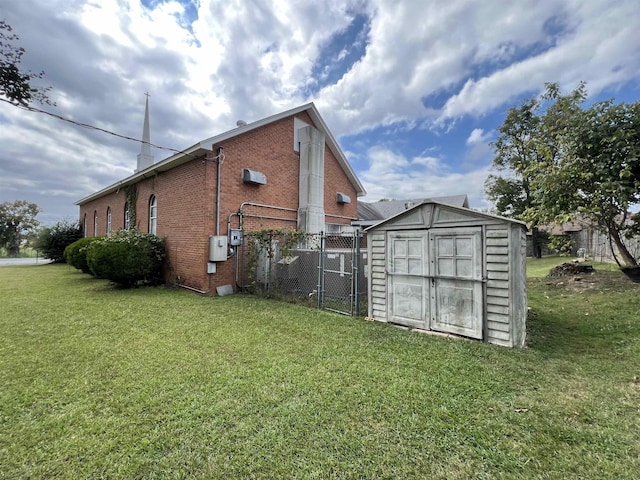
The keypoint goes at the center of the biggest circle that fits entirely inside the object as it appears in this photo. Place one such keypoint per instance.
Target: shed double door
(435, 280)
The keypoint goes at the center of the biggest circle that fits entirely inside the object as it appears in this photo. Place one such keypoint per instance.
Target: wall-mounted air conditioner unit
(343, 198)
(253, 177)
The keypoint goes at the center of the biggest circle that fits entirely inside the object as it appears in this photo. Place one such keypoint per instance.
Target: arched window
(108, 220)
(126, 216)
(85, 233)
(153, 214)
(95, 223)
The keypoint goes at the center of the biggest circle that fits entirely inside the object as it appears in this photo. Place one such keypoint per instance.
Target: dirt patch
(581, 277)
(571, 268)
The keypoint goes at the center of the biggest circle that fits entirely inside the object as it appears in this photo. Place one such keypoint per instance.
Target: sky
(412, 90)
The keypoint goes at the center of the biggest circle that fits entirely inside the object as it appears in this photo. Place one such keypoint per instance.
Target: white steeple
(145, 159)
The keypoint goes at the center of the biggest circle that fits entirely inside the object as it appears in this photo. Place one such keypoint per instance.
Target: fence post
(356, 272)
(321, 271)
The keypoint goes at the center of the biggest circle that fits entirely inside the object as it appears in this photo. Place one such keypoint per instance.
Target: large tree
(16, 84)
(52, 241)
(516, 157)
(17, 222)
(596, 176)
(565, 161)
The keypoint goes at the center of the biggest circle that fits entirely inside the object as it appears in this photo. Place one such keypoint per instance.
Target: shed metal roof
(464, 210)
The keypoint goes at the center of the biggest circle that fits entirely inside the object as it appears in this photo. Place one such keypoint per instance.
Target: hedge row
(127, 257)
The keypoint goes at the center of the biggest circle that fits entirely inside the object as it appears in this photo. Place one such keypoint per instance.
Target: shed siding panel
(491, 283)
(498, 292)
(492, 275)
(497, 267)
(502, 343)
(497, 301)
(498, 284)
(378, 278)
(499, 309)
(518, 312)
(497, 242)
(498, 258)
(496, 334)
(497, 232)
(497, 250)
(502, 326)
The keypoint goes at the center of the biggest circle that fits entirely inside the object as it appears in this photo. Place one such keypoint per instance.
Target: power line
(93, 127)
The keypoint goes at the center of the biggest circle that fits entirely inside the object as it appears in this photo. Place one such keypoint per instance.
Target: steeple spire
(145, 159)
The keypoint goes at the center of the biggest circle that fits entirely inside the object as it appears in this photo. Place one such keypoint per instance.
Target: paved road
(22, 261)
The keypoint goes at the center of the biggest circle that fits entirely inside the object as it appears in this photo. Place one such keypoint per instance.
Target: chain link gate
(339, 274)
(327, 272)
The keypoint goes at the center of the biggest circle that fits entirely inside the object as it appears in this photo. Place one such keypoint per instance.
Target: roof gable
(205, 146)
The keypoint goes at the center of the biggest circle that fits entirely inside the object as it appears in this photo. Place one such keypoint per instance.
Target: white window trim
(153, 214)
(108, 220)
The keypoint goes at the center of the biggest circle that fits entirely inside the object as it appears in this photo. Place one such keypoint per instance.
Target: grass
(97, 382)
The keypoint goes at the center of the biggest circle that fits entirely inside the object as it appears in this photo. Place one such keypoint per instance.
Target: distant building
(370, 213)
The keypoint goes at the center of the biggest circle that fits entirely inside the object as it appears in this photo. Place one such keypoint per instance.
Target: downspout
(219, 158)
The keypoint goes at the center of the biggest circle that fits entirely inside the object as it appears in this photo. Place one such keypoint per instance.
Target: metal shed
(452, 270)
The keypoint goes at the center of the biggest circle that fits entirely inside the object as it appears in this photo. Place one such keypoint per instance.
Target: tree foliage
(568, 162)
(53, 240)
(17, 222)
(16, 84)
(517, 156)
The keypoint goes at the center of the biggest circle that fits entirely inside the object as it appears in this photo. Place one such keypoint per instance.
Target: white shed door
(408, 293)
(456, 285)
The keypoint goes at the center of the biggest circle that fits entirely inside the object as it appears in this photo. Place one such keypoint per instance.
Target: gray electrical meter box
(218, 248)
(236, 237)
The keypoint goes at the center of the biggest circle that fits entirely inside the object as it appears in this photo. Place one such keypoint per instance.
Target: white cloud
(478, 147)
(431, 164)
(391, 175)
(603, 49)
(477, 135)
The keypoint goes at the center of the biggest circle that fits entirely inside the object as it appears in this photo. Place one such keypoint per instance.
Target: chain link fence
(324, 271)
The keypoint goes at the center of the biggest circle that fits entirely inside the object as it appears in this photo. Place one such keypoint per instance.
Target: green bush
(52, 241)
(76, 254)
(127, 257)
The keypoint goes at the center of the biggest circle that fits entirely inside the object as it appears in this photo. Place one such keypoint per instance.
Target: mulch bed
(570, 269)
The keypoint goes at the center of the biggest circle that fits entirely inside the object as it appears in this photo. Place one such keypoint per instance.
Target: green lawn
(97, 382)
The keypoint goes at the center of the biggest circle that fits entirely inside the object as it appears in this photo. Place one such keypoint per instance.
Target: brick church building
(286, 170)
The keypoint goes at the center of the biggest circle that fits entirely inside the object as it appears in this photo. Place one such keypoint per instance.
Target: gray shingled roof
(377, 211)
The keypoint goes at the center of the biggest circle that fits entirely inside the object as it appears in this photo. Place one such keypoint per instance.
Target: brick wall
(186, 200)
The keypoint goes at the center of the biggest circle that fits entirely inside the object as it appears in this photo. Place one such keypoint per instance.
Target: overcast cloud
(413, 90)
